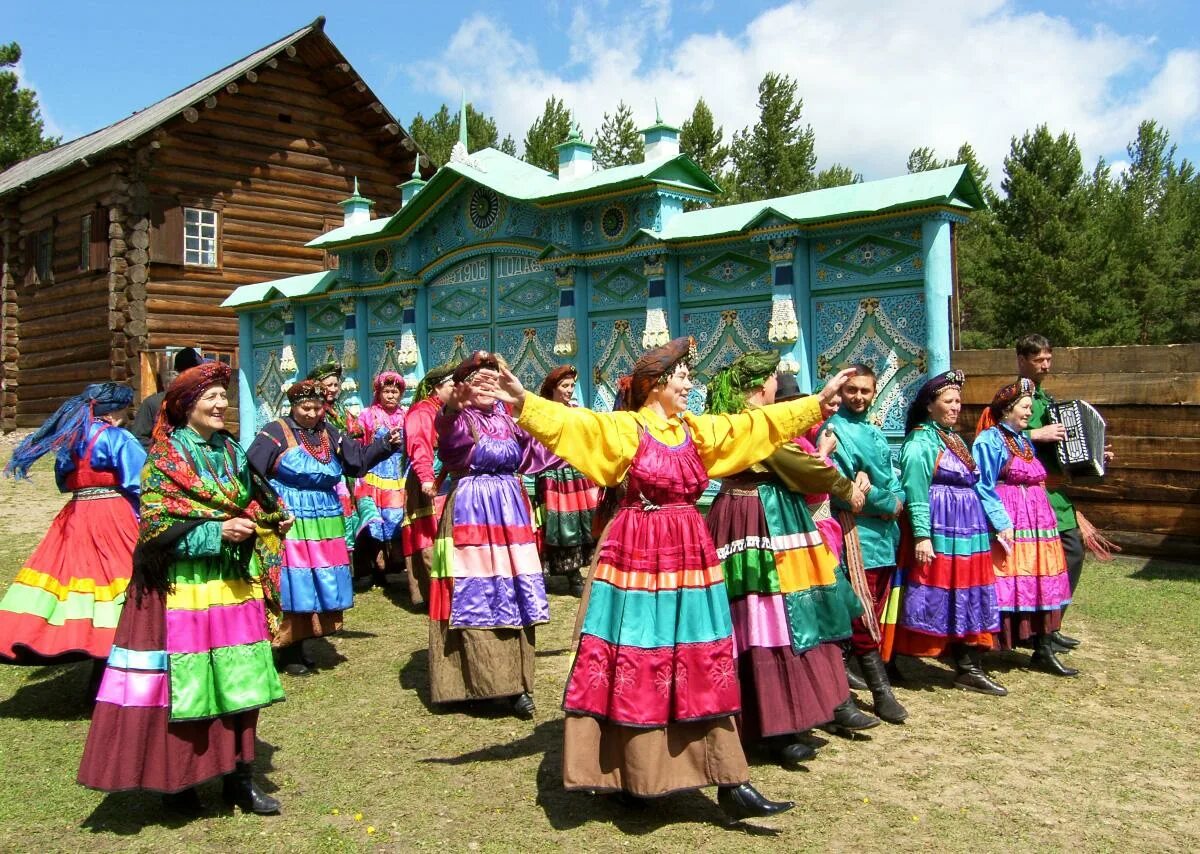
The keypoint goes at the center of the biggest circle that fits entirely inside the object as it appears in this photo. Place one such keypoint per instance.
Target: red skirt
(65, 602)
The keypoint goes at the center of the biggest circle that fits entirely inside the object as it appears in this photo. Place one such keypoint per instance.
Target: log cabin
(123, 243)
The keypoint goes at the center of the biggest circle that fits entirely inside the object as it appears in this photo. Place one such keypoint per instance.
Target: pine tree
(837, 175)
(777, 156)
(22, 132)
(437, 134)
(1045, 267)
(618, 143)
(700, 140)
(509, 145)
(548, 130)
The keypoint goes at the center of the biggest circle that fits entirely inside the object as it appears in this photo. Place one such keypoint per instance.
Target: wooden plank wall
(276, 155)
(1149, 501)
(63, 335)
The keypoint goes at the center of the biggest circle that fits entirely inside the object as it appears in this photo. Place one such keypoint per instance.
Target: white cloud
(50, 127)
(878, 79)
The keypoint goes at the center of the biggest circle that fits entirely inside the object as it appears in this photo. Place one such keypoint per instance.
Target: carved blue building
(592, 266)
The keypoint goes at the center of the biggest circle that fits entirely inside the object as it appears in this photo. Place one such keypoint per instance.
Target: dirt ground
(363, 761)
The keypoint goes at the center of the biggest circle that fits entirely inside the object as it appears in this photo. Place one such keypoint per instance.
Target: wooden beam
(272, 63)
(191, 115)
(210, 103)
(252, 76)
(366, 113)
(232, 88)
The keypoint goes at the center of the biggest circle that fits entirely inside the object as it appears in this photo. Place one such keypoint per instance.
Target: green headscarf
(326, 369)
(728, 388)
(434, 378)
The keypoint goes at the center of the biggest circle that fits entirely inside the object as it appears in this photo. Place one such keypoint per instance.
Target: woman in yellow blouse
(653, 691)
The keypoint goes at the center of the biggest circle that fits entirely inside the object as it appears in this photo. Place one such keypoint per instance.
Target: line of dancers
(197, 571)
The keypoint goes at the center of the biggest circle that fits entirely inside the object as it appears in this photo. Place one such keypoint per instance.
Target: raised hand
(833, 386)
(509, 390)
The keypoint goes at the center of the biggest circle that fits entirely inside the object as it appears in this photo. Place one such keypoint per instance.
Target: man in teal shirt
(1034, 358)
(863, 454)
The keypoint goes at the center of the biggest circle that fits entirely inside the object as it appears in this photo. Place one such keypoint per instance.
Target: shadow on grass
(1165, 570)
(55, 692)
(920, 674)
(568, 810)
(128, 813)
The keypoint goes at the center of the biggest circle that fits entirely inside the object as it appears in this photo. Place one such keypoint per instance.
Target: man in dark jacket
(143, 422)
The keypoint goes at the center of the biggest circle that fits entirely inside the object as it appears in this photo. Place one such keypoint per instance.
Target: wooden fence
(1149, 500)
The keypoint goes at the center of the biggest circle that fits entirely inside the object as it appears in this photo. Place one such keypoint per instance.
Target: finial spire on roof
(462, 120)
(657, 113)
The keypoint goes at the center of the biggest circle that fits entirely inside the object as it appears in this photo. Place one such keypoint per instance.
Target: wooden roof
(319, 52)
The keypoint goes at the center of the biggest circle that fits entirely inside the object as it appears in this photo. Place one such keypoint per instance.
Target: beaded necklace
(230, 485)
(319, 450)
(1017, 448)
(956, 446)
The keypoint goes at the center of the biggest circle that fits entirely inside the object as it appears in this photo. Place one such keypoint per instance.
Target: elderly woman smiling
(191, 661)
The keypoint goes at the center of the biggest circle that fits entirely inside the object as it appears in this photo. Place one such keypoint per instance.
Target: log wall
(273, 153)
(1149, 501)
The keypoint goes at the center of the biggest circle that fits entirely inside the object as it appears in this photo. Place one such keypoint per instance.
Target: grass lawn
(1109, 760)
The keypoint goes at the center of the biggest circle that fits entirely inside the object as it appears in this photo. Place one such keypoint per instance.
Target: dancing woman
(948, 602)
(567, 498)
(1032, 584)
(305, 458)
(66, 600)
(379, 494)
(789, 605)
(653, 691)
(191, 661)
(424, 494)
(487, 591)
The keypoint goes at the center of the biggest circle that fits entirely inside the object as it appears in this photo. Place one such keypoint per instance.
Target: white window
(199, 237)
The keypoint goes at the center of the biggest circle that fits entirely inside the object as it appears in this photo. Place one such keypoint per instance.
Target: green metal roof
(516, 179)
(289, 288)
(953, 186)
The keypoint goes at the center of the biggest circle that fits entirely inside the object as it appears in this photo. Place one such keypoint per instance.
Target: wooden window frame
(43, 255)
(86, 226)
(200, 237)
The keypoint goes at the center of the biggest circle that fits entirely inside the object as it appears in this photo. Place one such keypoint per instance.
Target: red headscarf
(478, 361)
(183, 393)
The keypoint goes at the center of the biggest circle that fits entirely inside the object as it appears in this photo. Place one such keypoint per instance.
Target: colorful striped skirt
(789, 605)
(379, 498)
(1032, 586)
(187, 673)
(486, 592)
(65, 602)
(951, 599)
(567, 500)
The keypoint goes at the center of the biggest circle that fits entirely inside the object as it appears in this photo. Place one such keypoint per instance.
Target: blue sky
(878, 78)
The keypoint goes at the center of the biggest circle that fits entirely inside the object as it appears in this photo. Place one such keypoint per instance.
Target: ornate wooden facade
(592, 267)
(127, 241)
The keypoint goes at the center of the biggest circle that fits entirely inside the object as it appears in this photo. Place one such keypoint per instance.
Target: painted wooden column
(657, 330)
(566, 328)
(585, 387)
(806, 331)
(421, 310)
(366, 371)
(246, 403)
(301, 339)
(783, 329)
(675, 313)
(935, 242)
(408, 357)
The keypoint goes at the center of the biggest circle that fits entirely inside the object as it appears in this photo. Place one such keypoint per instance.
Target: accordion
(1081, 453)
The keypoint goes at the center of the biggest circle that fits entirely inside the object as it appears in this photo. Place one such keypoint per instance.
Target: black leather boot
(1065, 641)
(745, 801)
(289, 660)
(1044, 658)
(856, 681)
(795, 753)
(239, 790)
(970, 673)
(848, 718)
(887, 707)
(523, 707)
(575, 583)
